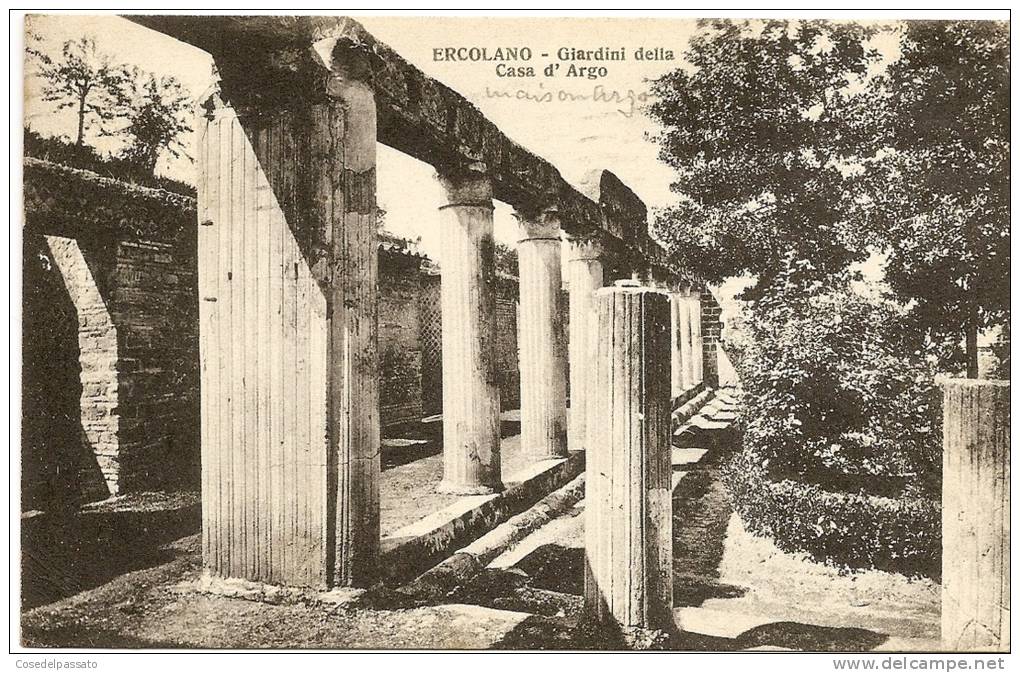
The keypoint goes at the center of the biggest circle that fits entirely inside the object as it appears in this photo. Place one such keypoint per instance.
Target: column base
(468, 489)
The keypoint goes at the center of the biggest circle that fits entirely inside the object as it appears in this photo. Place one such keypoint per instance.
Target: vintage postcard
(501, 332)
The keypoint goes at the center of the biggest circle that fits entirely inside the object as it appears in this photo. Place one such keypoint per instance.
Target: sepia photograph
(550, 331)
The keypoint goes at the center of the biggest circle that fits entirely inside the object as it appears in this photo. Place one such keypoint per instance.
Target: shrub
(848, 530)
(841, 456)
(840, 393)
(60, 151)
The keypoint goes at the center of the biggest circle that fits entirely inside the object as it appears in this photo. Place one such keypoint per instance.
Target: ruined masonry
(287, 302)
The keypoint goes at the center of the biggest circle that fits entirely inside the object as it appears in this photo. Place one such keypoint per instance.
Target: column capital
(302, 73)
(585, 249)
(543, 224)
(466, 187)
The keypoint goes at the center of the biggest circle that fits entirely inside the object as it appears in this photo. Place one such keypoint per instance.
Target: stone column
(584, 276)
(543, 361)
(348, 205)
(683, 308)
(975, 515)
(628, 512)
(677, 327)
(471, 460)
(697, 344)
(287, 260)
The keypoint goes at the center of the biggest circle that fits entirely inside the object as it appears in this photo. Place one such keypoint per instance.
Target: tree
(157, 109)
(765, 130)
(81, 78)
(942, 207)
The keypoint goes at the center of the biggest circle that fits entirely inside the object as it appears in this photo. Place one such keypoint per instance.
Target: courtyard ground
(732, 591)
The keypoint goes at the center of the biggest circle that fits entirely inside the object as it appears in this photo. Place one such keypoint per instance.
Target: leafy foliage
(849, 530)
(84, 79)
(506, 259)
(801, 148)
(156, 112)
(941, 202)
(63, 152)
(765, 134)
(839, 393)
(150, 112)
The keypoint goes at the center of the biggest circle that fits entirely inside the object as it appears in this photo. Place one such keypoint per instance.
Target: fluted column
(584, 276)
(287, 264)
(677, 307)
(683, 309)
(628, 513)
(471, 460)
(542, 359)
(975, 515)
(697, 374)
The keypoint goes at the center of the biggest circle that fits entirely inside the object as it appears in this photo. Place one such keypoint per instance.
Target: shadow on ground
(63, 554)
(788, 635)
(701, 513)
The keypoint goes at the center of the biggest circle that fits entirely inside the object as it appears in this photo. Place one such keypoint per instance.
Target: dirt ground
(732, 591)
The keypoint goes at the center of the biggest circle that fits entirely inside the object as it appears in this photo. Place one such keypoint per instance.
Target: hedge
(848, 530)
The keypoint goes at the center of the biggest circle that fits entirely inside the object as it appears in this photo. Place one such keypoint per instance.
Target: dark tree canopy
(942, 204)
(801, 147)
(765, 132)
(148, 111)
(156, 112)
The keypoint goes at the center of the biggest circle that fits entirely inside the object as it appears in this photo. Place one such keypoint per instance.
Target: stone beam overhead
(418, 116)
(624, 214)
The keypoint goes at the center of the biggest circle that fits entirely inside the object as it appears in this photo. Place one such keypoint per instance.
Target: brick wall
(400, 345)
(97, 351)
(155, 306)
(507, 313)
(117, 262)
(711, 331)
(57, 464)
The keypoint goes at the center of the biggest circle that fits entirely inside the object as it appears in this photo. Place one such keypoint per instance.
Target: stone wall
(507, 314)
(400, 344)
(155, 307)
(110, 288)
(52, 433)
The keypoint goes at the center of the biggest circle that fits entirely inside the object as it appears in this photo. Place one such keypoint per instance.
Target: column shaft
(628, 513)
(471, 459)
(543, 361)
(975, 515)
(676, 344)
(352, 310)
(686, 350)
(697, 375)
(288, 275)
(584, 276)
